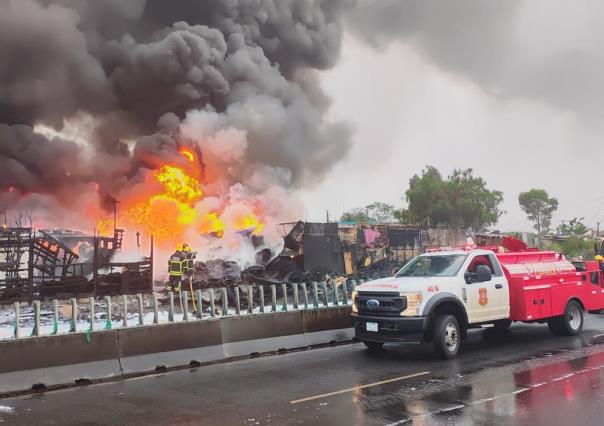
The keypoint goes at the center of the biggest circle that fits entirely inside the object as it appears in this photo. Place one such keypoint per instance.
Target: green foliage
(381, 212)
(574, 247)
(460, 200)
(356, 215)
(573, 227)
(376, 212)
(539, 208)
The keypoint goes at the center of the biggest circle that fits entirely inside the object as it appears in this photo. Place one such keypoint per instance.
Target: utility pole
(115, 201)
(598, 229)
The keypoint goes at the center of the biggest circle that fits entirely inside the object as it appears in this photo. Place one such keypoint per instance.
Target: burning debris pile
(40, 265)
(193, 120)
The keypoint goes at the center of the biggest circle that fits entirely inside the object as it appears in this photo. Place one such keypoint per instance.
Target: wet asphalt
(523, 377)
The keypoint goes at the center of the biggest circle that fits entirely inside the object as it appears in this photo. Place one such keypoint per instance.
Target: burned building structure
(40, 265)
(312, 251)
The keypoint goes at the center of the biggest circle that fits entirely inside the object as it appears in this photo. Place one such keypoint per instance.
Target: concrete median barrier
(55, 361)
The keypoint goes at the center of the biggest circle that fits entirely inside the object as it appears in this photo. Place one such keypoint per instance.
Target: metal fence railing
(90, 315)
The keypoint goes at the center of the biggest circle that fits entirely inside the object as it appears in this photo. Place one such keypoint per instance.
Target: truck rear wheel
(447, 336)
(569, 324)
(373, 346)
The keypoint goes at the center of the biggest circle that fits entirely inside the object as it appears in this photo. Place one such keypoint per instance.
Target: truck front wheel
(569, 324)
(447, 336)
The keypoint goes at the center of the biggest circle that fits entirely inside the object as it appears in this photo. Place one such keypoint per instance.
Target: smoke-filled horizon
(137, 82)
(511, 89)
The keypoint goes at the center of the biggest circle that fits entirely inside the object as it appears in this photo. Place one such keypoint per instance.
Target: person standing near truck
(600, 260)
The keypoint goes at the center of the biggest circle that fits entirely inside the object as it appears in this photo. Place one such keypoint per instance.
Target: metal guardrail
(200, 305)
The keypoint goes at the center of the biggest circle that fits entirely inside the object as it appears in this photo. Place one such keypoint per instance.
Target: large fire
(165, 207)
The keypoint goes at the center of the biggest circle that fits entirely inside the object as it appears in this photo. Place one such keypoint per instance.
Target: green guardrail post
(212, 303)
(91, 319)
(345, 288)
(261, 295)
(155, 309)
(199, 312)
(141, 309)
(225, 301)
(125, 310)
(171, 306)
(284, 306)
(273, 298)
(334, 286)
(35, 331)
(315, 295)
(74, 316)
(237, 301)
(17, 331)
(325, 295)
(296, 296)
(305, 295)
(184, 301)
(108, 322)
(55, 322)
(250, 299)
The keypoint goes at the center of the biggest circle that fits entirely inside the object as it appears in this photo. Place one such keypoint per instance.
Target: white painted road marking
(355, 388)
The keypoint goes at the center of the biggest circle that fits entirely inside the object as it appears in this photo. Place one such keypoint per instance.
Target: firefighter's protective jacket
(189, 256)
(176, 264)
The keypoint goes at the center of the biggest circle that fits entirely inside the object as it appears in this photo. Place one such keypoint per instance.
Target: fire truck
(439, 295)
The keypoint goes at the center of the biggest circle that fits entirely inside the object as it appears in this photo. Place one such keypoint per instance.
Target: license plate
(371, 326)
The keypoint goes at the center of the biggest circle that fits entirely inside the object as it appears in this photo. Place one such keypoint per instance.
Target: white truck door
(488, 300)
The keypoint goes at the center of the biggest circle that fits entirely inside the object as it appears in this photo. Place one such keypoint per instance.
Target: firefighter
(600, 260)
(189, 256)
(176, 266)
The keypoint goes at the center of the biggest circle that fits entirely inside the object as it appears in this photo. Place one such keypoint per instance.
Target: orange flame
(165, 207)
(105, 227)
(211, 224)
(189, 155)
(178, 185)
(250, 221)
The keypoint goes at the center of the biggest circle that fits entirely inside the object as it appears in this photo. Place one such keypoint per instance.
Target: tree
(356, 215)
(374, 212)
(460, 200)
(539, 208)
(573, 247)
(381, 212)
(574, 227)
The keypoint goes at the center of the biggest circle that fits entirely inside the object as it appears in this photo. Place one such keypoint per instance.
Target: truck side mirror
(483, 273)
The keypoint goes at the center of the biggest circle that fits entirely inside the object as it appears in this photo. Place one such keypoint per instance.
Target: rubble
(37, 265)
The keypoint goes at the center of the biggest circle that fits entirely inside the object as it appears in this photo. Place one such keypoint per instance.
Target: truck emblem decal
(373, 303)
(482, 296)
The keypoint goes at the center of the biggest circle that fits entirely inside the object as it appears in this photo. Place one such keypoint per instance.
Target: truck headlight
(354, 301)
(413, 301)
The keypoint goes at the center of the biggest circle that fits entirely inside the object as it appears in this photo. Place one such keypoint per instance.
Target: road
(526, 376)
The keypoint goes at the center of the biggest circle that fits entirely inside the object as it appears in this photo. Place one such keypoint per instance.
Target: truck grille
(390, 303)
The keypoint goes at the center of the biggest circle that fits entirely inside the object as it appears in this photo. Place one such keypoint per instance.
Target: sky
(522, 107)
(338, 101)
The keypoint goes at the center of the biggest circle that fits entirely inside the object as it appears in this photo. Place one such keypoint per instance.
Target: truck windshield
(433, 266)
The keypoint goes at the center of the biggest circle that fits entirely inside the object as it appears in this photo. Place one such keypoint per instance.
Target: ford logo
(372, 303)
